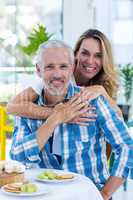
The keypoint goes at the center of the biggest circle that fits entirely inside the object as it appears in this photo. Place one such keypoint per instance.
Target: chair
(4, 128)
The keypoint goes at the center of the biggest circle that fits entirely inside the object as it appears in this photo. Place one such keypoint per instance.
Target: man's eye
(64, 66)
(48, 67)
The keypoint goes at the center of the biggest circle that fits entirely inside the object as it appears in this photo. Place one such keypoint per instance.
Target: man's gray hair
(53, 44)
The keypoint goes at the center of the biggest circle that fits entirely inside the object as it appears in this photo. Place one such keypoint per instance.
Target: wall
(78, 16)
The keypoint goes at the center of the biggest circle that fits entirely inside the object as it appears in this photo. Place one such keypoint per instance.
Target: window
(17, 18)
(123, 22)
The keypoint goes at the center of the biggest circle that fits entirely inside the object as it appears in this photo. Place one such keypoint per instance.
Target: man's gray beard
(54, 91)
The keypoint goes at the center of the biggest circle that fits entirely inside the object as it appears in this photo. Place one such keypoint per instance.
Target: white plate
(42, 190)
(59, 172)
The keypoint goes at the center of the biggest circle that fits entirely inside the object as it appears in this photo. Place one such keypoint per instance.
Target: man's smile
(57, 82)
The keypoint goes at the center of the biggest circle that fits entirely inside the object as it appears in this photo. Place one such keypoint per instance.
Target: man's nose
(57, 72)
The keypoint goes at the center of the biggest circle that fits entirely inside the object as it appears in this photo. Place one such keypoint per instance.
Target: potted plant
(127, 80)
(37, 36)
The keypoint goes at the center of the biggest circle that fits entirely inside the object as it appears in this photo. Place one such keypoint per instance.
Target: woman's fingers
(81, 123)
(82, 108)
(92, 92)
(84, 115)
(74, 98)
(78, 98)
(75, 114)
(79, 106)
(83, 119)
(88, 115)
(89, 93)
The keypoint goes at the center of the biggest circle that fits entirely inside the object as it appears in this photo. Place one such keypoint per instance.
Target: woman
(94, 69)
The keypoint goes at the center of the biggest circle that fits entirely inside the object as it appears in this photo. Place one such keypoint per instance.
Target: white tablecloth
(81, 188)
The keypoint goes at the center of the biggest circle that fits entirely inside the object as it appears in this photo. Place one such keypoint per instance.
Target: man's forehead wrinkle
(54, 49)
(58, 63)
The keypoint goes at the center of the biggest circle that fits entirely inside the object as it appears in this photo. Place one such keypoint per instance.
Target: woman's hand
(84, 119)
(75, 107)
(91, 92)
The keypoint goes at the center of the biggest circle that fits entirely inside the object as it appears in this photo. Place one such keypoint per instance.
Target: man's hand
(112, 184)
(104, 196)
(75, 107)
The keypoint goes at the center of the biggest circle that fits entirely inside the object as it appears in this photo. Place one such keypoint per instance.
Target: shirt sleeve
(37, 85)
(118, 135)
(24, 143)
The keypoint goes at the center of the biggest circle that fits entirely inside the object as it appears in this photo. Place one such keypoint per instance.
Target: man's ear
(38, 70)
(75, 63)
(72, 69)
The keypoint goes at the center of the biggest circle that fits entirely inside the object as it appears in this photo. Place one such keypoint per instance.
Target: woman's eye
(83, 53)
(98, 55)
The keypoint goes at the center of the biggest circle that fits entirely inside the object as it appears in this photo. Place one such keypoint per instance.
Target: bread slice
(64, 176)
(13, 187)
(6, 178)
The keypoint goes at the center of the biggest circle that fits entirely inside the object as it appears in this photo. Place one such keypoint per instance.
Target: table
(79, 189)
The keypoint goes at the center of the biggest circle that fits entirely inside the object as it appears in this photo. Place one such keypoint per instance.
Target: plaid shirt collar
(70, 93)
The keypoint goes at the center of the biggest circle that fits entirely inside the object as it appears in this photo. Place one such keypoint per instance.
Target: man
(81, 149)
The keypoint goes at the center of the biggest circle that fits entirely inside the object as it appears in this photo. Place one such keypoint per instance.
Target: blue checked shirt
(83, 148)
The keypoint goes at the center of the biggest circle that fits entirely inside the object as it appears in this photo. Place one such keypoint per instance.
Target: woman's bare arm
(22, 105)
